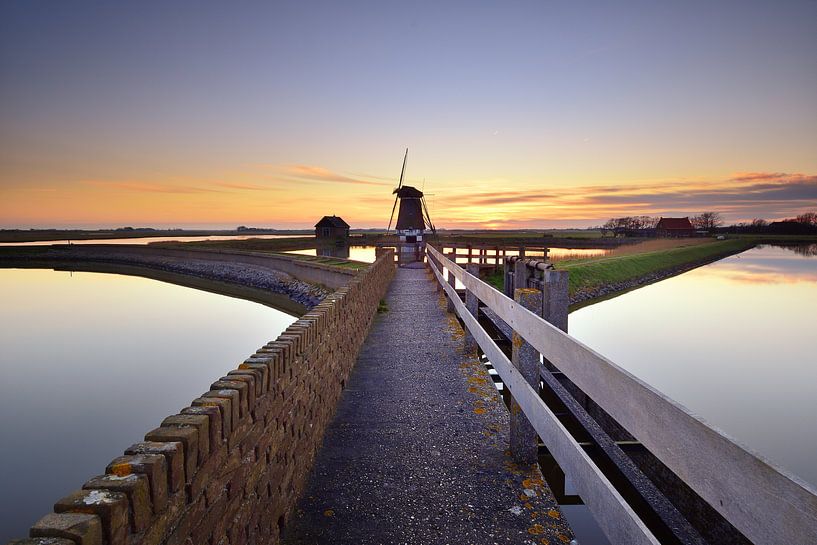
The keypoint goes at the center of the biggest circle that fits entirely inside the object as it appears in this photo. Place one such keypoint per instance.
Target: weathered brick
(198, 421)
(160, 525)
(257, 376)
(78, 528)
(249, 380)
(215, 421)
(173, 453)
(240, 387)
(224, 406)
(153, 467)
(136, 488)
(111, 507)
(233, 397)
(188, 437)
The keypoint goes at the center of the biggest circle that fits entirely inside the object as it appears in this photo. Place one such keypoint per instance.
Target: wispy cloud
(321, 174)
(246, 186)
(740, 196)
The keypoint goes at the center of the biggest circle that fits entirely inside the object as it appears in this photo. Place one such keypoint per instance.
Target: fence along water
(758, 499)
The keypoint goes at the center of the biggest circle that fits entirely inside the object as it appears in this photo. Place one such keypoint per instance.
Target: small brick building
(331, 228)
(674, 227)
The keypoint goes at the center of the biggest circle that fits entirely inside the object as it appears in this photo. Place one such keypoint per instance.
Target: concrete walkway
(417, 450)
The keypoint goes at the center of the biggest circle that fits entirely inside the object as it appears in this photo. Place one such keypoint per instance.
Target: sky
(517, 114)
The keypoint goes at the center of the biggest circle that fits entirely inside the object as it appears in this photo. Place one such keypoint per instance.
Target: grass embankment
(591, 274)
(278, 246)
(629, 267)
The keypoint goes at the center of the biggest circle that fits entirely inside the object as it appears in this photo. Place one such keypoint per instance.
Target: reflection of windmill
(412, 218)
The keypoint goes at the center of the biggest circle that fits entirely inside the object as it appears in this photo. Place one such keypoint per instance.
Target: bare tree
(707, 220)
(809, 218)
(759, 222)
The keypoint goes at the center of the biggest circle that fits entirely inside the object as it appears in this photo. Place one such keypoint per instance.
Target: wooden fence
(761, 501)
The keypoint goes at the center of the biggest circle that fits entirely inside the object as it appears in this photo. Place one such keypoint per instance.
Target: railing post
(507, 288)
(524, 442)
(452, 281)
(521, 273)
(472, 304)
(436, 263)
(555, 300)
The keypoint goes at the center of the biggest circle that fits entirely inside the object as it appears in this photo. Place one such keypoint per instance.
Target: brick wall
(230, 467)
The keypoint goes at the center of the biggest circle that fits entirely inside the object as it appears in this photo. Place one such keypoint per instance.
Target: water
(148, 240)
(366, 254)
(91, 362)
(732, 341)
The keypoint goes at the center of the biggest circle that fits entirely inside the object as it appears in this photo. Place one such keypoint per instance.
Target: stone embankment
(229, 468)
(248, 275)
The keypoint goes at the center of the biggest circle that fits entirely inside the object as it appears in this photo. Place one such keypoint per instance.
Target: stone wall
(229, 468)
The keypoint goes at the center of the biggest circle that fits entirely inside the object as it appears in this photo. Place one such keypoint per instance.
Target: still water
(732, 341)
(366, 254)
(91, 362)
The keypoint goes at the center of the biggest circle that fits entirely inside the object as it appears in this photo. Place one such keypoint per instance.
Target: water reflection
(732, 341)
(366, 254)
(90, 362)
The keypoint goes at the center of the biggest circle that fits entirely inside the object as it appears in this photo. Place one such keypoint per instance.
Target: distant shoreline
(269, 287)
(45, 235)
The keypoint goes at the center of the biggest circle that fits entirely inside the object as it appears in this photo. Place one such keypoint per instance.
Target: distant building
(674, 227)
(332, 228)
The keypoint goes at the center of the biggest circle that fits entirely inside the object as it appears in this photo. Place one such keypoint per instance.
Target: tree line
(805, 223)
(704, 220)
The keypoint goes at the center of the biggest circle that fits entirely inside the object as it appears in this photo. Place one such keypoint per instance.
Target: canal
(91, 362)
(732, 341)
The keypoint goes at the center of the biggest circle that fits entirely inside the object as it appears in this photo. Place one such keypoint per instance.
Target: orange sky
(533, 115)
(290, 196)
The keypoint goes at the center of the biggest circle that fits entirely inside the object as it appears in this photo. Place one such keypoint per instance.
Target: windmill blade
(392, 214)
(396, 191)
(403, 171)
(428, 216)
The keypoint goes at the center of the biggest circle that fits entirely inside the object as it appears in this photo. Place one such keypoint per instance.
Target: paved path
(416, 452)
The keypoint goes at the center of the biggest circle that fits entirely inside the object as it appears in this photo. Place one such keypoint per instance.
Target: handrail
(617, 519)
(762, 501)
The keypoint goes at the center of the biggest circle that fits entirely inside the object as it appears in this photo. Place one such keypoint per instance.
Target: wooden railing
(761, 501)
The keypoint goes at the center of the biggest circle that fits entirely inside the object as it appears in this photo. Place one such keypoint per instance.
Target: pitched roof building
(674, 227)
(331, 227)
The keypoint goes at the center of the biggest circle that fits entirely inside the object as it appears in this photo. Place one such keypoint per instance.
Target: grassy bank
(590, 274)
(613, 273)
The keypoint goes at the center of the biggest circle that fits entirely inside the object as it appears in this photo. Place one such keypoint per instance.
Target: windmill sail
(397, 191)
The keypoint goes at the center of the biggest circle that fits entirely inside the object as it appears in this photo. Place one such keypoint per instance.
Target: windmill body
(412, 220)
(411, 224)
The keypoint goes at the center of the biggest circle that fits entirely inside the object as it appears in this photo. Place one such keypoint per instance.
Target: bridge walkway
(417, 451)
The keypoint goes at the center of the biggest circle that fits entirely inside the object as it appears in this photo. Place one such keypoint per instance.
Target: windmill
(412, 217)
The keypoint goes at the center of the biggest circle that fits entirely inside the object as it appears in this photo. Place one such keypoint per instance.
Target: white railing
(761, 501)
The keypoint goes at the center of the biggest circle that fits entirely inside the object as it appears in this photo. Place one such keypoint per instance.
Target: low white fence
(764, 503)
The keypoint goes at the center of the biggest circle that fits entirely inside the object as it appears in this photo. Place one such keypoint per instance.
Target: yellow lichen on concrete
(536, 530)
(120, 470)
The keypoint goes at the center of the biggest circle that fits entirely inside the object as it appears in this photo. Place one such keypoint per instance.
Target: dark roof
(332, 221)
(674, 223)
(408, 192)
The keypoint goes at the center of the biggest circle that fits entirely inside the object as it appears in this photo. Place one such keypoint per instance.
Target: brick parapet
(228, 469)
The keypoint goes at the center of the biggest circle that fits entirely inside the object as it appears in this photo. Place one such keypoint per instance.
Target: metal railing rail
(763, 502)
